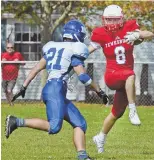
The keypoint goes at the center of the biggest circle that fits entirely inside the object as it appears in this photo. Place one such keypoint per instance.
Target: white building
(26, 37)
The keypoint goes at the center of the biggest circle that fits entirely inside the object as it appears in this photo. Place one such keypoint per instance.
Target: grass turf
(124, 142)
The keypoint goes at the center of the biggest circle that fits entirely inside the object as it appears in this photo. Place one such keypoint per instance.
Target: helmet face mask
(74, 30)
(113, 24)
(113, 18)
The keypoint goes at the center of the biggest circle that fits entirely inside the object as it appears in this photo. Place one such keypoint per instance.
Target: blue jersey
(61, 57)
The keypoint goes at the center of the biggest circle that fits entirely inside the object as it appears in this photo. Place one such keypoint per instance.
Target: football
(139, 41)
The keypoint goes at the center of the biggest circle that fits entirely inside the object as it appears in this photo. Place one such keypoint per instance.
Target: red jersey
(10, 71)
(119, 54)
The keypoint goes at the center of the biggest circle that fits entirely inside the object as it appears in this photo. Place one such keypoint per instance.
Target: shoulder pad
(46, 47)
(100, 30)
(131, 25)
(98, 35)
(80, 50)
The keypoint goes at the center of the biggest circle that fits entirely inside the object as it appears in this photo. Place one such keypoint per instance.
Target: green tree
(41, 12)
(48, 15)
(143, 11)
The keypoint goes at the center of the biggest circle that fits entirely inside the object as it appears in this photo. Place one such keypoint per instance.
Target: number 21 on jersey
(120, 55)
(51, 55)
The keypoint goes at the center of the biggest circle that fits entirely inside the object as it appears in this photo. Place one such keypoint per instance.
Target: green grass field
(124, 142)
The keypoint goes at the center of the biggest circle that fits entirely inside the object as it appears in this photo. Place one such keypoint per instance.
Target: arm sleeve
(18, 56)
(3, 56)
(46, 47)
(85, 79)
(43, 51)
(45, 56)
(134, 25)
(21, 57)
(76, 60)
(80, 50)
(95, 36)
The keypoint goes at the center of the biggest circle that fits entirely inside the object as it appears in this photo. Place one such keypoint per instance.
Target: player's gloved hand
(21, 92)
(103, 96)
(131, 37)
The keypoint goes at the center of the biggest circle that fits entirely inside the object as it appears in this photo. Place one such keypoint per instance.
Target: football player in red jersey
(117, 39)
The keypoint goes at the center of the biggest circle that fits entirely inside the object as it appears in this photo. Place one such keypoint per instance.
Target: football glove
(131, 37)
(21, 92)
(103, 96)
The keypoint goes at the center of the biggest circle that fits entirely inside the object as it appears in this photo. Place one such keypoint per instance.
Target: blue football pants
(59, 108)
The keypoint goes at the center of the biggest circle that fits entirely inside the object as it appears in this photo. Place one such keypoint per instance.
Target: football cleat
(99, 143)
(11, 125)
(133, 117)
(88, 158)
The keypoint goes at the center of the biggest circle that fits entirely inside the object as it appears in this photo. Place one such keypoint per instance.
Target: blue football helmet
(74, 30)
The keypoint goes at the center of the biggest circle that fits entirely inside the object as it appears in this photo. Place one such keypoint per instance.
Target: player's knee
(83, 125)
(118, 114)
(55, 126)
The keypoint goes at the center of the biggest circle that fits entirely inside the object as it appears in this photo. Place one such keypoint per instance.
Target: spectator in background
(10, 70)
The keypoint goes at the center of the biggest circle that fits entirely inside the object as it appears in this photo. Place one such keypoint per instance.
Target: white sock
(102, 136)
(132, 106)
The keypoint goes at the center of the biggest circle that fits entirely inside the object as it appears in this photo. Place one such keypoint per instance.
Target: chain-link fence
(144, 82)
(78, 92)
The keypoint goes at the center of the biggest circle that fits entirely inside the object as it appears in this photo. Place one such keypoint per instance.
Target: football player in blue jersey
(60, 60)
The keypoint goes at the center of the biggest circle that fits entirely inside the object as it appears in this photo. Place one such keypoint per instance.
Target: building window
(28, 41)
(3, 34)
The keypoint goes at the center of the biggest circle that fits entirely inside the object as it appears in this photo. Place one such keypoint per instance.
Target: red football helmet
(113, 18)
